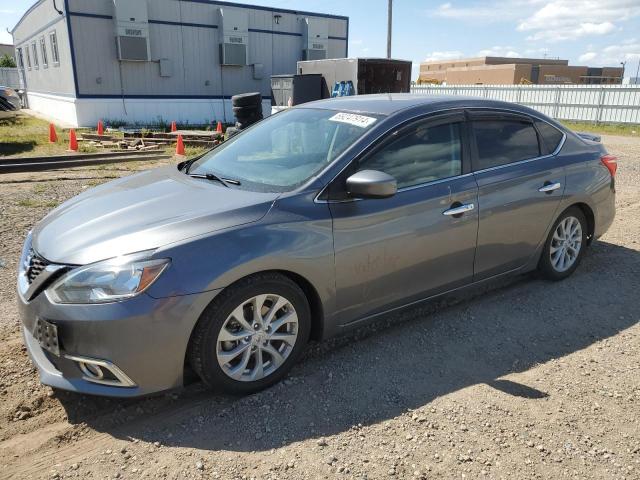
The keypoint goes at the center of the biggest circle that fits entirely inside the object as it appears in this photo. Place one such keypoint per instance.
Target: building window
(26, 48)
(34, 51)
(55, 57)
(43, 49)
(19, 57)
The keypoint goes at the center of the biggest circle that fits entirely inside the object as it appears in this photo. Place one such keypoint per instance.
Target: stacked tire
(247, 107)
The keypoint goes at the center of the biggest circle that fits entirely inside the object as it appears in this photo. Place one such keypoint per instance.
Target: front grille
(36, 264)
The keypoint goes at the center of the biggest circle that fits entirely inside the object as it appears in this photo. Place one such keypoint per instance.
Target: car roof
(390, 103)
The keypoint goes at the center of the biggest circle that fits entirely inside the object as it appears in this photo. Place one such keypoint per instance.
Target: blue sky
(587, 32)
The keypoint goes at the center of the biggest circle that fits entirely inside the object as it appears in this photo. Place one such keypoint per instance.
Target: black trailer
(367, 75)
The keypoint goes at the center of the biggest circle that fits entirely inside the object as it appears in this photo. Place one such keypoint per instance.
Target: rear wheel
(251, 334)
(565, 245)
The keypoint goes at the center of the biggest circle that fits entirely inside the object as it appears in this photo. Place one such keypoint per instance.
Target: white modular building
(149, 61)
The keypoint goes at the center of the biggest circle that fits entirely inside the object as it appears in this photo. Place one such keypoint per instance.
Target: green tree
(7, 61)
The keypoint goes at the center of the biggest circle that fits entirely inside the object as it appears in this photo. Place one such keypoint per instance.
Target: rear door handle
(459, 210)
(549, 187)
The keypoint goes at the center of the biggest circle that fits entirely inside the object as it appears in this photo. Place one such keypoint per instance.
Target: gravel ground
(520, 379)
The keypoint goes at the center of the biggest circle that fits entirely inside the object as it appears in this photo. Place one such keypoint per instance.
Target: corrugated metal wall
(39, 22)
(186, 33)
(9, 77)
(593, 103)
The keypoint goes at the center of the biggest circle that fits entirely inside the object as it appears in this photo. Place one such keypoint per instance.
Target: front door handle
(549, 187)
(459, 210)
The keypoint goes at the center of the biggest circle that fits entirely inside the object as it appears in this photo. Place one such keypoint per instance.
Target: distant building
(6, 49)
(149, 60)
(510, 71)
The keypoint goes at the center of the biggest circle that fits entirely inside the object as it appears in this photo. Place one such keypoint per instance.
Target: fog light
(101, 371)
(91, 371)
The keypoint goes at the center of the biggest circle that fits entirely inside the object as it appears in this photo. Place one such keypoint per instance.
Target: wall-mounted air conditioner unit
(132, 30)
(315, 38)
(234, 28)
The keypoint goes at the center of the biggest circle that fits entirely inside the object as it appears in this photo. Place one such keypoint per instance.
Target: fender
(295, 236)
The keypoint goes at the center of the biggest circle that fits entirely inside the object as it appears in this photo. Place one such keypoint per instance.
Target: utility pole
(637, 81)
(624, 64)
(389, 22)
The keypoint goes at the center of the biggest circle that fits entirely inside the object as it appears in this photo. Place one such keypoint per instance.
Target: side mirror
(371, 184)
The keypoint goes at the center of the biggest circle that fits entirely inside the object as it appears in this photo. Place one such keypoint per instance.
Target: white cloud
(562, 20)
(485, 11)
(5, 37)
(612, 55)
(587, 57)
(498, 51)
(547, 20)
(472, 12)
(445, 55)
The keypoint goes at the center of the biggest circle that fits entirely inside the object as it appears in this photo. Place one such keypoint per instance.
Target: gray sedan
(311, 222)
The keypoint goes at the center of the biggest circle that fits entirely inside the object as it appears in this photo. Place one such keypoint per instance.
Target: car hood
(142, 212)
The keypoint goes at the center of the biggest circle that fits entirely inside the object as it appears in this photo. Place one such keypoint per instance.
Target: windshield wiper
(215, 178)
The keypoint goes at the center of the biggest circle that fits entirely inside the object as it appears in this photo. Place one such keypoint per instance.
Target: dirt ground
(521, 379)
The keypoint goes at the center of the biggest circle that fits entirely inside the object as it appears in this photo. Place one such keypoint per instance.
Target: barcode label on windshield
(361, 121)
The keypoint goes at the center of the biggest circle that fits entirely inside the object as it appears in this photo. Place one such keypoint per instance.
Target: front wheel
(565, 245)
(251, 334)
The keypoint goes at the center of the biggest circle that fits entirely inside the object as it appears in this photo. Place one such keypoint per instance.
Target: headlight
(108, 281)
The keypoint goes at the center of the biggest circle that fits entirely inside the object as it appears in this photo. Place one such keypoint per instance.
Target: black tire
(248, 113)
(545, 265)
(203, 342)
(246, 123)
(252, 110)
(248, 119)
(246, 99)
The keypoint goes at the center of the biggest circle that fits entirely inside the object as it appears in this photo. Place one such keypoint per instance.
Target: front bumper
(144, 337)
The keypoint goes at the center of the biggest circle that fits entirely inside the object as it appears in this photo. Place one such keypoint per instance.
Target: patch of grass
(26, 136)
(625, 129)
(40, 188)
(188, 151)
(84, 148)
(32, 203)
(194, 151)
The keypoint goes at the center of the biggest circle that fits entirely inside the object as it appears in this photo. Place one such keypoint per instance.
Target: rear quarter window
(550, 137)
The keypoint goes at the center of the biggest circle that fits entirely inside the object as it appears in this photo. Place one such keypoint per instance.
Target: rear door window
(550, 137)
(502, 141)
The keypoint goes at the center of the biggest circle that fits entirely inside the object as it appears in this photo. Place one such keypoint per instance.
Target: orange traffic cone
(180, 146)
(53, 137)
(219, 127)
(73, 141)
(100, 128)
(173, 126)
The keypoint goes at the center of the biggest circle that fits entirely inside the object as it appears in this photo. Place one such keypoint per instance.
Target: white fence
(9, 77)
(590, 103)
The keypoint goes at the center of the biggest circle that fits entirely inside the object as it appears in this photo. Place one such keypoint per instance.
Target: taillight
(611, 162)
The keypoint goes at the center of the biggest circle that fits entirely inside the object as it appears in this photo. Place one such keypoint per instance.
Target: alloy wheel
(566, 244)
(257, 337)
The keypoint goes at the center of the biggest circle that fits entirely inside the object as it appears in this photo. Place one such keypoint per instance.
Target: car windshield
(284, 150)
